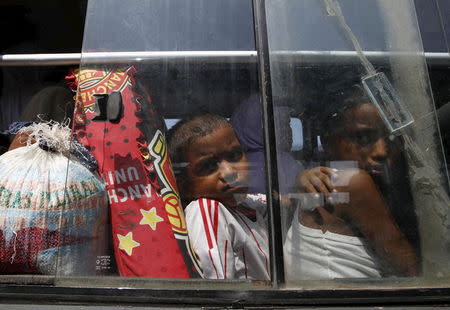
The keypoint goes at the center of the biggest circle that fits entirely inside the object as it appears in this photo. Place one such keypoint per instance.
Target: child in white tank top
(357, 236)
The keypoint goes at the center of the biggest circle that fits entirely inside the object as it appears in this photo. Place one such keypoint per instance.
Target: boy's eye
(234, 155)
(206, 166)
(363, 139)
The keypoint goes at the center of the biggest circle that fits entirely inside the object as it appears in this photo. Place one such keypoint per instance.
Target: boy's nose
(227, 172)
(379, 150)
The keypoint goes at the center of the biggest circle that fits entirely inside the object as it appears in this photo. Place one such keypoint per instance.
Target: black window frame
(171, 292)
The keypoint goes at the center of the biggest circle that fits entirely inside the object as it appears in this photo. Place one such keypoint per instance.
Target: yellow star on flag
(127, 243)
(150, 217)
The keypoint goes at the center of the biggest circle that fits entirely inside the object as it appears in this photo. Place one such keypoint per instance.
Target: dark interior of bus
(178, 89)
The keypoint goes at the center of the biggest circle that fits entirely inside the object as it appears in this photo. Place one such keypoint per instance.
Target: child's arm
(367, 211)
(209, 238)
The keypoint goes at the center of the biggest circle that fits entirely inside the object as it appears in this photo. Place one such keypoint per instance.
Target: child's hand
(316, 180)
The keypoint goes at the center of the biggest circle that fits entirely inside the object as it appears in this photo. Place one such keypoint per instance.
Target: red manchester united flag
(119, 124)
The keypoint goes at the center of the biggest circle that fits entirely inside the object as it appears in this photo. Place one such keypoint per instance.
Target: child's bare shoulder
(353, 180)
(364, 202)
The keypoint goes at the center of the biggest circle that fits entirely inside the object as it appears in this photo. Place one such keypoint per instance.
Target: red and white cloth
(148, 227)
(231, 243)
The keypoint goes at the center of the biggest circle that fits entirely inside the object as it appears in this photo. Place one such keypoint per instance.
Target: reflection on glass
(116, 162)
(52, 204)
(367, 200)
(227, 225)
(351, 232)
(52, 207)
(224, 232)
(179, 200)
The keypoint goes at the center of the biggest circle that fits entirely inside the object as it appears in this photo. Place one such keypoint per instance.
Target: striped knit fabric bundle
(53, 210)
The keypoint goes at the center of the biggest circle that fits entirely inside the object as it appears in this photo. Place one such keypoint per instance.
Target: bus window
(183, 201)
(224, 152)
(361, 209)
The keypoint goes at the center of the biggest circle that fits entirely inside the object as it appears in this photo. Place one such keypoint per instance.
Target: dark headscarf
(248, 125)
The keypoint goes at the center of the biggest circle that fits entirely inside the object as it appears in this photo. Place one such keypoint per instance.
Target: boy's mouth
(376, 171)
(380, 171)
(237, 187)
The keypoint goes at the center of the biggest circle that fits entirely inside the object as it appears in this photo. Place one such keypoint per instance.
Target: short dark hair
(187, 130)
(336, 104)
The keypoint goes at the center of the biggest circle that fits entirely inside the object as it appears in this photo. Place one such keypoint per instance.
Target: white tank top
(311, 254)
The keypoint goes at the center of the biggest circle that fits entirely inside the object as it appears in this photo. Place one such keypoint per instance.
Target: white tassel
(57, 136)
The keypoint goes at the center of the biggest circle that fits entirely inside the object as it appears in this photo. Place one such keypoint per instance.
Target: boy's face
(217, 168)
(362, 137)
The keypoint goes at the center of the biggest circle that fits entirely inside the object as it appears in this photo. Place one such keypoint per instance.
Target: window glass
(46, 27)
(171, 26)
(444, 10)
(189, 201)
(36, 108)
(119, 196)
(434, 28)
(364, 14)
(431, 23)
(371, 199)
